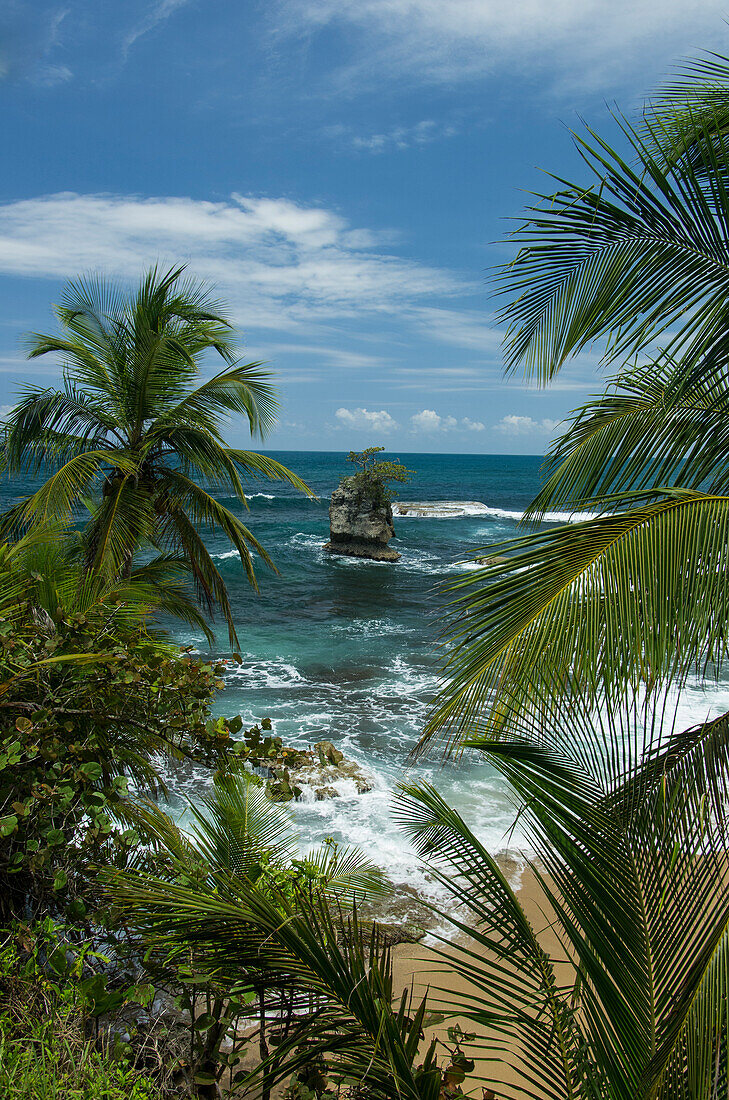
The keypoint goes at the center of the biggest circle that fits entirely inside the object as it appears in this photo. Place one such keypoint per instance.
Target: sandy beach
(416, 967)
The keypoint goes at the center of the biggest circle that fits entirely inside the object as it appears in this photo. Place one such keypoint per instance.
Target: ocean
(347, 650)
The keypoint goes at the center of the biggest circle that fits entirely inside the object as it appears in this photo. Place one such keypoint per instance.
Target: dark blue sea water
(346, 650)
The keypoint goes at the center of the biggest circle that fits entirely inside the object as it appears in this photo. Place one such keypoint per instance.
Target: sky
(346, 172)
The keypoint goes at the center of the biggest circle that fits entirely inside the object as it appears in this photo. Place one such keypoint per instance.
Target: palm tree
(242, 849)
(134, 424)
(627, 820)
(636, 595)
(49, 558)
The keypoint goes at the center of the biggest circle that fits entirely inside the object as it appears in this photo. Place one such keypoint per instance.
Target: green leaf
(204, 1021)
(203, 1078)
(91, 770)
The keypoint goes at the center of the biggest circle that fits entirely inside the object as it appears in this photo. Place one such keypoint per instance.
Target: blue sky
(343, 170)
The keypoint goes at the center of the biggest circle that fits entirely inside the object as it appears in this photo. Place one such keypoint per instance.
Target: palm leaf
(637, 597)
(242, 389)
(628, 820)
(638, 250)
(660, 424)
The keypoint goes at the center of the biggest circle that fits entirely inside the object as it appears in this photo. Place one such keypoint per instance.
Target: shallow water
(346, 650)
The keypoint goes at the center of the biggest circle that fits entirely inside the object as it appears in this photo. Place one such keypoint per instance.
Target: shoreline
(417, 969)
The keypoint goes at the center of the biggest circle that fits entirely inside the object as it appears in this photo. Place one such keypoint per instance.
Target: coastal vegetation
(216, 958)
(634, 256)
(137, 434)
(374, 476)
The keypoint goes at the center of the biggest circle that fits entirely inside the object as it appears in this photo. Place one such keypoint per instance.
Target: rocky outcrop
(358, 526)
(388, 934)
(440, 509)
(320, 773)
(314, 775)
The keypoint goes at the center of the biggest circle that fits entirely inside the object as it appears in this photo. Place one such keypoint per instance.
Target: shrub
(87, 703)
(373, 477)
(45, 1052)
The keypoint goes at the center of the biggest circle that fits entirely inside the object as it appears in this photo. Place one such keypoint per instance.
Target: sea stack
(359, 526)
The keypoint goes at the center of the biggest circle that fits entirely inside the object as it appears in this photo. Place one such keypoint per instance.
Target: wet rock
(289, 774)
(391, 934)
(358, 526)
(327, 753)
(493, 559)
(323, 794)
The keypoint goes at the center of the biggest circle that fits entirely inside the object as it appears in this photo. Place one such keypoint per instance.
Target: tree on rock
(373, 476)
(360, 510)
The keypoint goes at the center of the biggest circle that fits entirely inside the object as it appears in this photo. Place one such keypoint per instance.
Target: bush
(87, 703)
(373, 477)
(45, 1053)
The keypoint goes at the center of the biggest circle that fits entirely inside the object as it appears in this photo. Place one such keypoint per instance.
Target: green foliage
(373, 476)
(135, 430)
(86, 702)
(49, 996)
(238, 842)
(340, 978)
(636, 596)
(628, 822)
(639, 248)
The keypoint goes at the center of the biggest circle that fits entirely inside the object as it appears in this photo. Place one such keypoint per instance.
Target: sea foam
(455, 509)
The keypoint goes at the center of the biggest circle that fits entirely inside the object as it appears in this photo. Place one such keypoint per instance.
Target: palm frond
(239, 825)
(257, 465)
(624, 258)
(124, 518)
(48, 425)
(515, 995)
(183, 536)
(628, 821)
(242, 934)
(660, 424)
(208, 511)
(60, 495)
(242, 388)
(637, 597)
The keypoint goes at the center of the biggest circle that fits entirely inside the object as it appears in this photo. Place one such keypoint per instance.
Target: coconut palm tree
(626, 819)
(135, 425)
(636, 594)
(49, 558)
(241, 847)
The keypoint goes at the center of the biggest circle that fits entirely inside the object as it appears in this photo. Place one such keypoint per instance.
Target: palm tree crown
(637, 595)
(134, 427)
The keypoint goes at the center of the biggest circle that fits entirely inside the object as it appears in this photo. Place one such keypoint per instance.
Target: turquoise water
(345, 650)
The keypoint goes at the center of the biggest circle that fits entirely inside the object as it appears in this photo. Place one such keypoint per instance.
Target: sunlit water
(346, 650)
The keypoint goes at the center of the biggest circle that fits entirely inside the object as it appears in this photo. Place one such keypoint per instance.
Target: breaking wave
(455, 509)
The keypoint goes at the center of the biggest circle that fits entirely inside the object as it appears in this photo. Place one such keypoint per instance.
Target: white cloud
(279, 263)
(428, 420)
(158, 13)
(525, 425)
(366, 420)
(462, 328)
(592, 43)
(404, 137)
